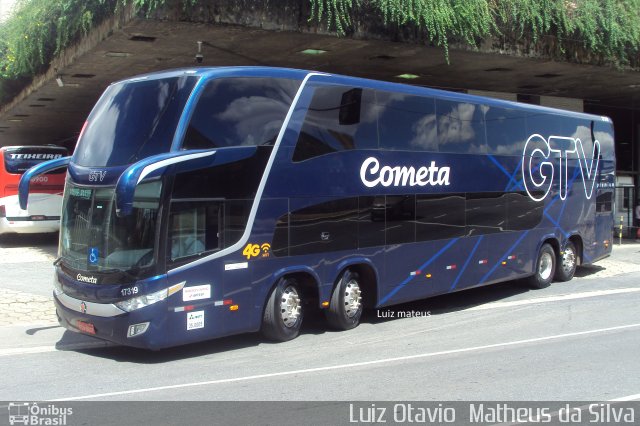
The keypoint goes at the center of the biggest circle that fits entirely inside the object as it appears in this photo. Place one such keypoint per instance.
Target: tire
(345, 308)
(567, 261)
(545, 268)
(283, 314)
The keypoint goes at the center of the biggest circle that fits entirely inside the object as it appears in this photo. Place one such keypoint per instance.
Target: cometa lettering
(85, 279)
(372, 175)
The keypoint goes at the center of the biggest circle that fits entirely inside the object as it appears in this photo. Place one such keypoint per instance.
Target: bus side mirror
(180, 161)
(25, 180)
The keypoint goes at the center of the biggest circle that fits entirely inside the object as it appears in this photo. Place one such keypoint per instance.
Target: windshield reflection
(93, 238)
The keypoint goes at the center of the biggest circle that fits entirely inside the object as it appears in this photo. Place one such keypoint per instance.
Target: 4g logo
(255, 250)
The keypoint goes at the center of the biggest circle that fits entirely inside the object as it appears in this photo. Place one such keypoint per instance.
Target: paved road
(575, 341)
(26, 272)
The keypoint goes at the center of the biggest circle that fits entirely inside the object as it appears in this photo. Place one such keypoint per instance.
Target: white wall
(568, 104)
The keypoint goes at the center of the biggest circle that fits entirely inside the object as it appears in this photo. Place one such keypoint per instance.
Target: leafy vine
(608, 30)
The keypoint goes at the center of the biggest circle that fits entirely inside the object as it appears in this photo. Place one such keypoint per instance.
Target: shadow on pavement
(88, 345)
(33, 331)
(314, 324)
(43, 243)
(586, 270)
(447, 303)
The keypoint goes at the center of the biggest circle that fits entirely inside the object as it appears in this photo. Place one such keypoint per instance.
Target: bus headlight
(148, 299)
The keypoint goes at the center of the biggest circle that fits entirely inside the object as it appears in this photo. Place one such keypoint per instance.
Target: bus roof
(297, 74)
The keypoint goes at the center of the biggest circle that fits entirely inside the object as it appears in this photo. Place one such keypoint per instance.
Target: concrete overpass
(53, 108)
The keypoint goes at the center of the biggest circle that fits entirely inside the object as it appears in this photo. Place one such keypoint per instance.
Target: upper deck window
(461, 127)
(407, 122)
(133, 120)
(240, 111)
(339, 118)
(506, 131)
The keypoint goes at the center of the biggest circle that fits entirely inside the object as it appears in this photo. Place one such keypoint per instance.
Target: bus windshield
(93, 238)
(133, 120)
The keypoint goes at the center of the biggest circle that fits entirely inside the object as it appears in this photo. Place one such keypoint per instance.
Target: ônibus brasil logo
(31, 414)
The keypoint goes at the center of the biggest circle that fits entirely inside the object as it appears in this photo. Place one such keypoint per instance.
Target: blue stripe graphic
(556, 222)
(466, 263)
(427, 263)
(518, 183)
(501, 167)
(504, 256)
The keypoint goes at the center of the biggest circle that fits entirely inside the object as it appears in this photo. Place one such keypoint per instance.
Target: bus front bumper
(111, 326)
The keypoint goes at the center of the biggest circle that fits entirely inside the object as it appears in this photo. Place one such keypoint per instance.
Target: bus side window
(486, 213)
(400, 212)
(324, 227)
(407, 122)
(506, 131)
(239, 112)
(440, 216)
(461, 127)
(339, 118)
(371, 221)
(523, 212)
(194, 228)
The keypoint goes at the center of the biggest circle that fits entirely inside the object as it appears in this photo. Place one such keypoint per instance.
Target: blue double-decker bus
(206, 202)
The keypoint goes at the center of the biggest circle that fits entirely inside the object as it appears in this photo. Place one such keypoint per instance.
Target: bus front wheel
(545, 267)
(345, 308)
(283, 314)
(567, 262)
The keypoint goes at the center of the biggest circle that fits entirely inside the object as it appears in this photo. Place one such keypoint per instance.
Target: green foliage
(40, 29)
(607, 29)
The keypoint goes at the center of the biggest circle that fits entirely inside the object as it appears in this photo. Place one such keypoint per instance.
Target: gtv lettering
(371, 175)
(542, 158)
(97, 175)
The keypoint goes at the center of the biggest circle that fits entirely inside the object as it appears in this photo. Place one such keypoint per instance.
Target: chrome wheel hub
(290, 306)
(546, 266)
(352, 298)
(568, 260)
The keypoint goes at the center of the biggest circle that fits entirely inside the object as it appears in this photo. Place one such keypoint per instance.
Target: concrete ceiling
(53, 114)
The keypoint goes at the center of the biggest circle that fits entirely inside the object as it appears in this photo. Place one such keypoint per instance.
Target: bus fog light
(137, 329)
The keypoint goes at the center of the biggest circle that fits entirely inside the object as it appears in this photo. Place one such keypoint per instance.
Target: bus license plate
(86, 327)
(37, 217)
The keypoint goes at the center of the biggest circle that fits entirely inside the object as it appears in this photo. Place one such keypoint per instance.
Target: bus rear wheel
(345, 308)
(283, 314)
(567, 262)
(545, 268)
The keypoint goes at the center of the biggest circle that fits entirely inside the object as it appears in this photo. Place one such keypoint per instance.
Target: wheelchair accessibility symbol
(93, 255)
